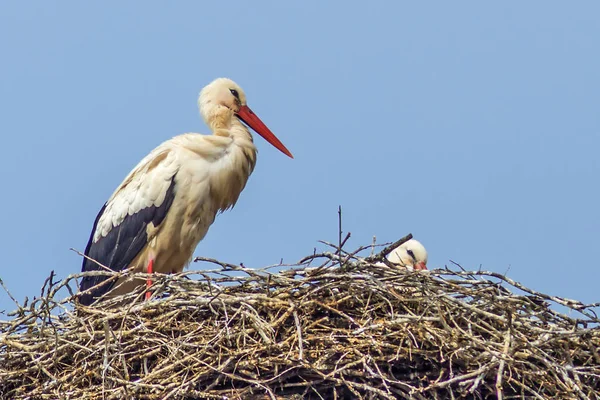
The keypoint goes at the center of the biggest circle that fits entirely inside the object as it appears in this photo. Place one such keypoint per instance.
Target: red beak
(250, 119)
(420, 266)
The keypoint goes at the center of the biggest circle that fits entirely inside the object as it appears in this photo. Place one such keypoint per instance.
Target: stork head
(223, 100)
(410, 254)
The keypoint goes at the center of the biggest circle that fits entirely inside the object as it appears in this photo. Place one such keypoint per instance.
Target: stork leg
(149, 281)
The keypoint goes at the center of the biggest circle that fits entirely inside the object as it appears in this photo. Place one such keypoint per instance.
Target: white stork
(410, 254)
(164, 207)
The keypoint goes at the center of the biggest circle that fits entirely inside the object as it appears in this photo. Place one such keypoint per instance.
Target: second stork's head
(410, 254)
(223, 100)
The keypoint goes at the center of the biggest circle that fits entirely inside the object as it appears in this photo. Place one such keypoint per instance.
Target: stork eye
(410, 253)
(235, 93)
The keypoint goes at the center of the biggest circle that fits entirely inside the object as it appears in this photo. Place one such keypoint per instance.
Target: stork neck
(234, 128)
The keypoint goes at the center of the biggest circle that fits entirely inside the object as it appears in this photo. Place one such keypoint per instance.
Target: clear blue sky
(475, 126)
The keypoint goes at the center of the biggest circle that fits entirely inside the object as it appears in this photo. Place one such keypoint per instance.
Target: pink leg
(149, 281)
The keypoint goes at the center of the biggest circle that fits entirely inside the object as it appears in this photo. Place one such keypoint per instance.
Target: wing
(120, 229)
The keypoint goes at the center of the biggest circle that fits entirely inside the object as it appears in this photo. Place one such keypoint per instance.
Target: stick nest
(334, 326)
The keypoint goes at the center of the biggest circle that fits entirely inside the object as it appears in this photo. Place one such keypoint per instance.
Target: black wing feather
(122, 244)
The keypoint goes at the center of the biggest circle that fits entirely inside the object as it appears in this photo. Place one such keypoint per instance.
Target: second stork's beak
(420, 266)
(252, 120)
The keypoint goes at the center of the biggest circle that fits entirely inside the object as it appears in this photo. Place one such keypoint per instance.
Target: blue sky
(475, 126)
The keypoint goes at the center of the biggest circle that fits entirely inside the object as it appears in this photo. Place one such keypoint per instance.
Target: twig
(299, 330)
(383, 253)
(10, 295)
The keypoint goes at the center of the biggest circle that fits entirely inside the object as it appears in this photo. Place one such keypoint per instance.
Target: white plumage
(142, 188)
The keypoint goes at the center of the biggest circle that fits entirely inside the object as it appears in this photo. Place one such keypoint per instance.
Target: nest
(335, 326)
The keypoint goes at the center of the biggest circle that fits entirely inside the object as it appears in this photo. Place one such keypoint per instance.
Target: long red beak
(250, 119)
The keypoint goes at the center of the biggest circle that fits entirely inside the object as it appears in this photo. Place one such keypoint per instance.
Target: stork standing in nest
(164, 207)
